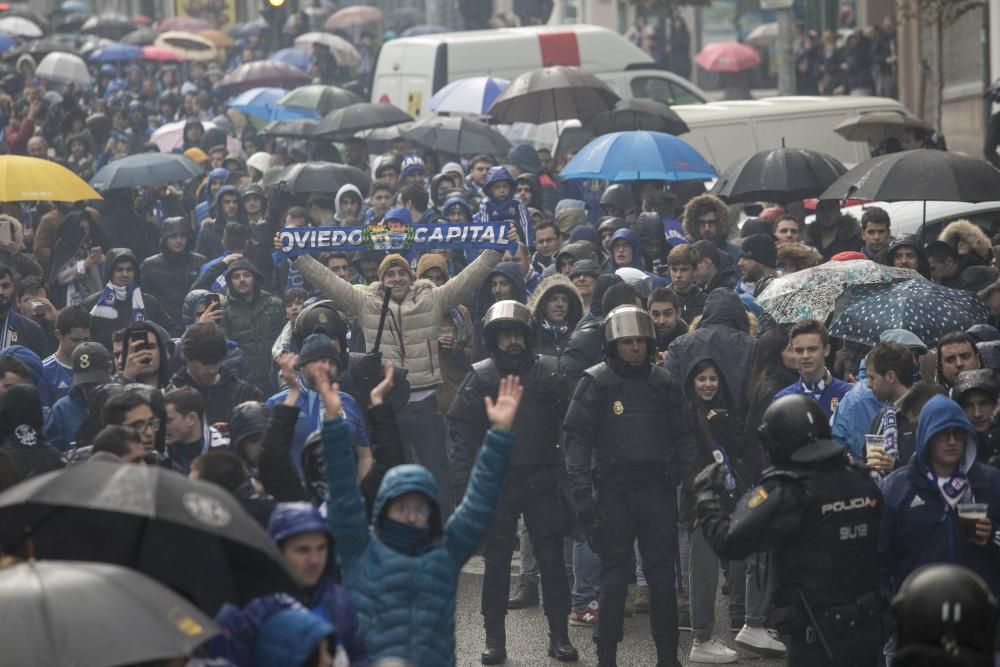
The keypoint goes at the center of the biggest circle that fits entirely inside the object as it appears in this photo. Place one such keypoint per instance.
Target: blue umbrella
(263, 103)
(296, 57)
(76, 7)
(113, 53)
(639, 156)
(473, 95)
(928, 310)
(6, 42)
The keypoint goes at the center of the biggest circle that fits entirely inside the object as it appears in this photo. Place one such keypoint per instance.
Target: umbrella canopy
(162, 54)
(811, 294)
(113, 53)
(257, 102)
(929, 310)
(779, 175)
(355, 15)
(188, 44)
(637, 114)
(922, 174)
(19, 27)
(638, 156)
(879, 125)
(727, 57)
(553, 93)
(144, 169)
(76, 7)
(112, 26)
(140, 37)
(361, 116)
(766, 34)
(425, 29)
(6, 42)
(262, 74)
(183, 24)
(33, 179)
(170, 137)
(62, 613)
(458, 136)
(292, 56)
(323, 99)
(189, 535)
(344, 52)
(474, 95)
(291, 129)
(71, 22)
(220, 39)
(308, 177)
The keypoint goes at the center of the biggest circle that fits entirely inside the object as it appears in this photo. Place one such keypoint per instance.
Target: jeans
(750, 590)
(529, 564)
(423, 433)
(640, 578)
(704, 583)
(586, 576)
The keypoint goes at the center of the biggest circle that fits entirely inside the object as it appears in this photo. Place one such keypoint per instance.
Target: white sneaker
(760, 641)
(712, 652)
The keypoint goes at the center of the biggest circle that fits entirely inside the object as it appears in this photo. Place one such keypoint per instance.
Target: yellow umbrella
(220, 39)
(33, 179)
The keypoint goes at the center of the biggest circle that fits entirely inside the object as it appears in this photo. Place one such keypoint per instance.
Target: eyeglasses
(139, 427)
(420, 511)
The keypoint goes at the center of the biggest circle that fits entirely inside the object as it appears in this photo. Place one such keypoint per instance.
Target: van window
(663, 90)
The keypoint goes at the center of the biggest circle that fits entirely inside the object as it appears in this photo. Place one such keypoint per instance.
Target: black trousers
(859, 647)
(535, 493)
(645, 509)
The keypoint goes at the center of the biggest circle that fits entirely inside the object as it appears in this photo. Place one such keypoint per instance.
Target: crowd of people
(387, 415)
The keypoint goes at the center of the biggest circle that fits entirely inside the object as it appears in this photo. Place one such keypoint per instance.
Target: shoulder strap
(381, 319)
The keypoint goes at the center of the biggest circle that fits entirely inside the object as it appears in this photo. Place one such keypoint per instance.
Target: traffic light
(276, 3)
(275, 12)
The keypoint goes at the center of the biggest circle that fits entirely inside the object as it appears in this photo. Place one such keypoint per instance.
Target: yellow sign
(618, 408)
(414, 101)
(220, 13)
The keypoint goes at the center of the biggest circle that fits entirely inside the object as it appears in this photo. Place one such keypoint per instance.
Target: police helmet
(795, 428)
(322, 317)
(628, 322)
(947, 606)
(507, 313)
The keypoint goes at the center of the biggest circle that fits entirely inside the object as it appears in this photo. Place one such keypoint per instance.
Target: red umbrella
(161, 54)
(184, 24)
(263, 74)
(356, 15)
(727, 57)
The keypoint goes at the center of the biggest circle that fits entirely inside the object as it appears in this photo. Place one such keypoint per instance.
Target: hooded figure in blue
(402, 570)
(504, 282)
(626, 250)
(920, 524)
(499, 203)
(302, 536)
(202, 210)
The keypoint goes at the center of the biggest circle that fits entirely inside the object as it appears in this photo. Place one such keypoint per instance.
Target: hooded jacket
(848, 237)
(585, 347)
(963, 231)
(407, 603)
(547, 339)
(621, 198)
(164, 345)
(722, 334)
(484, 298)
(725, 229)
(21, 432)
(169, 275)
(253, 323)
(210, 236)
(339, 214)
(204, 207)
(633, 239)
(918, 526)
(221, 397)
(510, 208)
(22, 262)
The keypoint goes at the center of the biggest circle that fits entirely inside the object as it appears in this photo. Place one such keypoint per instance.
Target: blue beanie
(289, 637)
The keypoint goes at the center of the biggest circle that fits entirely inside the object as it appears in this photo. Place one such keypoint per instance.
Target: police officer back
(819, 515)
(628, 445)
(532, 484)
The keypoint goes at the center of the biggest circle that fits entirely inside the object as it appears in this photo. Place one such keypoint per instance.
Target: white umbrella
(62, 67)
(766, 34)
(342, 50)
(19, 27)
(170, 136)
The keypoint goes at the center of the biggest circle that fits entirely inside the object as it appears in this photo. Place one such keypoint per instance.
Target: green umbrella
(323, 99)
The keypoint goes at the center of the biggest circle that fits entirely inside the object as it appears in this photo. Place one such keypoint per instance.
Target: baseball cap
(90, 364)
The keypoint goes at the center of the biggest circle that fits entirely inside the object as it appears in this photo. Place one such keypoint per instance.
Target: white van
(724, 132)
(411, 69)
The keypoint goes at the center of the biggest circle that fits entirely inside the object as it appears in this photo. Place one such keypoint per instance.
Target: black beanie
(761, 248)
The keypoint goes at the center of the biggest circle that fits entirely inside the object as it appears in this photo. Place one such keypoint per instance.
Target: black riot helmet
(322, 317)
(502, 314)
(795, 429)
(945, 610)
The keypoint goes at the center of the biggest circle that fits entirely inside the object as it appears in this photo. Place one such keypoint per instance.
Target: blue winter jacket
(855, 413)
(332, 602)
(407, 603)
(65, 418)
(918, 527)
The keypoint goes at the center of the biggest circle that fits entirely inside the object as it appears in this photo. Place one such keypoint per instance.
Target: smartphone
(141, 337)
(212, 298)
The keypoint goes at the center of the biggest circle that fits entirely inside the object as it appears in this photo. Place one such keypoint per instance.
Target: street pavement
(527, 633)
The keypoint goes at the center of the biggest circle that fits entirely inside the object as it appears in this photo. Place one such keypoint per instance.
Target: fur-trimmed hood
(803, 255)
(697, 207)
(548, 286)
(971, 234)
(16, 229)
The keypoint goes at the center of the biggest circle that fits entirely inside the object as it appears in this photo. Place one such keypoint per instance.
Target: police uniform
(818, 515)
(628, 445)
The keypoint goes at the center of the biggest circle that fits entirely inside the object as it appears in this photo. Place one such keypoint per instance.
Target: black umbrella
(71, 22)
(457, 135)
(140, 37)
(637, 114)
(293, 129)
(361, 116)
(308, 177)
(922, 174)
(112, 26)
(262, 74)
(41, 47)
(62, 613)
(144, 169)
(191, 536)
(552, 93)
(778, 175)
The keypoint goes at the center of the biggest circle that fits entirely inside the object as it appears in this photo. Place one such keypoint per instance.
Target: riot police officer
(531, 486)
(628, 445)
(819, 515)
(945, 617)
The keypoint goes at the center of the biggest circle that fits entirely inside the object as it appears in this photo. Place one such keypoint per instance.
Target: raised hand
(503, 411)
(382, 389)
(330, 393)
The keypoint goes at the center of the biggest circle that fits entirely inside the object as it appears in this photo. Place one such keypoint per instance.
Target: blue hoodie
(918, 526)
(855, 413)
(201, 211)
(407, 603)
(509, 208)
(633, 239)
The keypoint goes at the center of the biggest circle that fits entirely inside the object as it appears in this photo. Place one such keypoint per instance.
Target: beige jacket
(410, 337)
